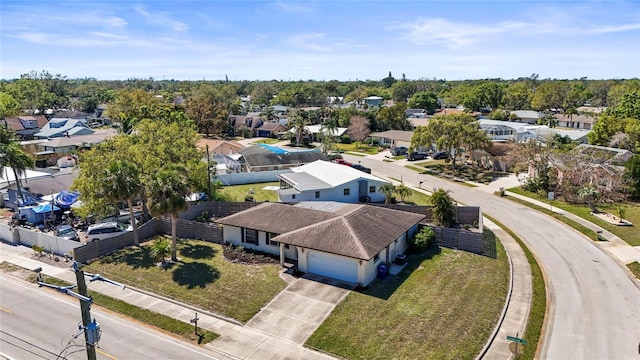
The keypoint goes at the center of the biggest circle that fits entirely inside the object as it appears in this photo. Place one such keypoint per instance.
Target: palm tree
(443, 208)
(388, 190)
(403, 191)
(160, 249)
(298, 123)
(18, 160)
(122, 183)
(268, 114)
(167, 193)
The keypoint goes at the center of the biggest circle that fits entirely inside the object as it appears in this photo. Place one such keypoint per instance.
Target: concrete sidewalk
(235, 342)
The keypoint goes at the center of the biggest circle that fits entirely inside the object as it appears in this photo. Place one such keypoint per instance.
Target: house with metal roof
(327, 181)
(342, 241)
(58, 127)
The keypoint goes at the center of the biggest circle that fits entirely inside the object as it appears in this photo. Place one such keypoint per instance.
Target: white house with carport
(327, 181)
(341, 241)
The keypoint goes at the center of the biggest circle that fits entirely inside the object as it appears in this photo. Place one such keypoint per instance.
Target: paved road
(595, 305)
(36, 324)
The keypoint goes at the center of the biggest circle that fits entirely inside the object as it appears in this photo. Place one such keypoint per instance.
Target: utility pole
(85, 308)
(209, 173)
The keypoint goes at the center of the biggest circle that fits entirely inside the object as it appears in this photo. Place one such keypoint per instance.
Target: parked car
(400, 150)
(440, 155)
(106, 230)
(66, 232)
(416, 156)
(342, 162)
(361, 168)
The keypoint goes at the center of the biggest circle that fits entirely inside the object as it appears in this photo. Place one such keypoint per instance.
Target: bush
(423, 239)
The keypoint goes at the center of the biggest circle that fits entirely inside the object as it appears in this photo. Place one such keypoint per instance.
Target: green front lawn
(441, 306)
(359, 148)
(201, 277)
(238, 192)
(630, 234)
(268, 141)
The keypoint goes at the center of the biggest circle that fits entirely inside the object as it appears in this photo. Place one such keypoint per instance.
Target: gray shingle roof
(258, 156)
(357, 231)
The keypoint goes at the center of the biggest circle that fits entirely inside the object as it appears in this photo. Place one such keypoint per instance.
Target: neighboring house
(619, 155)
(415, 113)
(49, 151)
(498, 130)
(393, 138)
(449, 111)
(341, 241)
(576, 121)
(327, 181)
(270, 129)
(26, 126)
(264, 157)
(218, 146)
(527, 116)
(317, 131)
(58, 127)
(245, 123)
(372, 101)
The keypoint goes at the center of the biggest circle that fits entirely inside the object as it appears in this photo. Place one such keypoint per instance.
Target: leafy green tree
(393, 117)
(402, 91)
(132, 106)
(122, 183)
(632, 173)
(388, 81)
(424, 100)
(8, 105)
(451, 132)
(209, 110)
(492, 94)
(550, 95)
(517, 96)
(443, 212)
(167, 191)
(160, 248)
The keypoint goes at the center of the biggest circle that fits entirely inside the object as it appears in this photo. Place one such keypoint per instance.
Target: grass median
(535, 321)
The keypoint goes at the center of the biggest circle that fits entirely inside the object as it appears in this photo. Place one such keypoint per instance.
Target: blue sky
(321, 40)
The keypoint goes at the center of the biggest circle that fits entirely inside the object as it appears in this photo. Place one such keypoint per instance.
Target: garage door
(333, 266)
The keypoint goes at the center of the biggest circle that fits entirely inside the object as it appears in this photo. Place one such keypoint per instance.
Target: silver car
(66, 232)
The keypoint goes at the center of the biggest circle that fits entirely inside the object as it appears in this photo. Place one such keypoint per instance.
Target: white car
(106, 230)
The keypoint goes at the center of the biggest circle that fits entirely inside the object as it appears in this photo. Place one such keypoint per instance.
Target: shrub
(423, 239)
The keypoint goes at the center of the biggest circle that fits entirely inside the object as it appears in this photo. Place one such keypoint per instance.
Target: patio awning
(44, 208)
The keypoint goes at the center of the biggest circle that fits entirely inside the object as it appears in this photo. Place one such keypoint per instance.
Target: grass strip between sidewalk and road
(635, 269)
(535, 321)
(163, 322)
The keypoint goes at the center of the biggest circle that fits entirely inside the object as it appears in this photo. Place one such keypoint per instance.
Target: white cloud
(452, 34)
(309, 42)
(161, 18)
(293, 7)
(615, 28)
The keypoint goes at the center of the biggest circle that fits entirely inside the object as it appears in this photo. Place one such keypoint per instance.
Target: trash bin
(383, 271)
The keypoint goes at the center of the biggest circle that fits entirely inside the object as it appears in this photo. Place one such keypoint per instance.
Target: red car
(342, 162)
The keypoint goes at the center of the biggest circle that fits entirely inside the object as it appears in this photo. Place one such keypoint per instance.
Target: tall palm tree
(18, 160)
(122, 183)
(298, 123)
(268, 114)
(403, 191)
(167, 191)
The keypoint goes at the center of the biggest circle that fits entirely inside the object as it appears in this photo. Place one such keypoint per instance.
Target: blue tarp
(65, 198)
(44, 208)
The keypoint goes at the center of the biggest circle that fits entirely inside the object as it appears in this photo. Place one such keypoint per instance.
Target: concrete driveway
(300, 308)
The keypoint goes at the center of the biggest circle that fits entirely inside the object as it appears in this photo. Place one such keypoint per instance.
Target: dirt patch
(612, 219)
(241, 255)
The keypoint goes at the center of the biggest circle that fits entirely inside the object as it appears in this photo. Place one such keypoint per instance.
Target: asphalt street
(37, 323)
(594, 306)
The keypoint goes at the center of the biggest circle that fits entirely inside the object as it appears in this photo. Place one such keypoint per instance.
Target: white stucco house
(326, 181)
(337, 240)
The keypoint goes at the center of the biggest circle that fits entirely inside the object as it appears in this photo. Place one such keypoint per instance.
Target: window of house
(270, 242)
(376, 258)
(372, 189)
(250, 236)
(346, 191)
(317, 194)
(293, 196)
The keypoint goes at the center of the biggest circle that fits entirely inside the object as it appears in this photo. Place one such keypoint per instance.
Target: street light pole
(209, 173)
